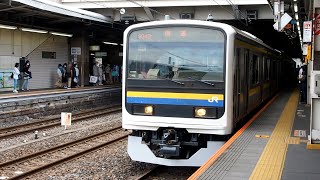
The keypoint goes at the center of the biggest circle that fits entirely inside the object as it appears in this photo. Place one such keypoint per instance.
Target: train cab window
(254, 70)
(176, 53)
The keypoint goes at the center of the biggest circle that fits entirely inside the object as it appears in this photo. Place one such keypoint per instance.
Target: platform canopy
(52, 16)
(64, 10)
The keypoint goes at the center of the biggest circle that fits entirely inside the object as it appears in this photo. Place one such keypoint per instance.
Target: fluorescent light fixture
(7, 27)
(297, 16)
(277, 50)
(294, 0)
(111, 43)
(34, 30)
(61, 34)
(295, 7)
(121, 44)
(298, 24)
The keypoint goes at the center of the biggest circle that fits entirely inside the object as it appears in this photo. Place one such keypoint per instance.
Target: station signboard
(75, 50)
(307, 31)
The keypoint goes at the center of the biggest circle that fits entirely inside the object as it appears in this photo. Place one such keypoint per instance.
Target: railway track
(147, 174)
(34, 163)
(166, 172)
(51, 122)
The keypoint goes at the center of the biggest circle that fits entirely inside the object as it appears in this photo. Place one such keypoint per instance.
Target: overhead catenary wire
(246, 24)
(236, 8)
(153, 10)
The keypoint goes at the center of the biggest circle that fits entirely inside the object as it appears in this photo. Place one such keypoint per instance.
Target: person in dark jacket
(302, 77)
(26, 75)
(64, 76)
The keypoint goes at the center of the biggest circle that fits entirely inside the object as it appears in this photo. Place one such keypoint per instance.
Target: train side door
(242, 83)
(245, 85)
(236, 85)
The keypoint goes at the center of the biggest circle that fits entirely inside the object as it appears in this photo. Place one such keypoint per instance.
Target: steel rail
(54, 118)
(148, 173)
(66, 159)
(62, 146)
(9, 134)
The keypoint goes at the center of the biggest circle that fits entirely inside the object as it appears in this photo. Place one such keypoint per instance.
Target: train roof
(254, 38)
(228, 28)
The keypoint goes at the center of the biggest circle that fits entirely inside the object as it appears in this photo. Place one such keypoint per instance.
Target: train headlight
(143, 110)
(148, 110)
(200, 112)
(205, 112)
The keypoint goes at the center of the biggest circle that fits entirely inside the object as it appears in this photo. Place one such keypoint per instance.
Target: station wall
(15, 44)
(44, 70)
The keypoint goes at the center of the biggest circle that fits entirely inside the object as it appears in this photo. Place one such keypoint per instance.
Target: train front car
(175, 99)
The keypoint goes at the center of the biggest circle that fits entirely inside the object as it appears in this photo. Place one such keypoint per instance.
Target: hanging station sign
(307, 31)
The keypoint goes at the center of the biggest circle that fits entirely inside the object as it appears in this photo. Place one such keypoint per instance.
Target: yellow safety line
(271, 162)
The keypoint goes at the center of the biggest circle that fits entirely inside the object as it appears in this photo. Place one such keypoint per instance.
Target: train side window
(267, 69)
(254, 69)
(263, 73)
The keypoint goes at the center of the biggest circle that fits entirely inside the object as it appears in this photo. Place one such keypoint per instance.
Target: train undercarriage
(171, 146)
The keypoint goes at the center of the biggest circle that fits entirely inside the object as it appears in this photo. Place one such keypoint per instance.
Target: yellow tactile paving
(271, 162)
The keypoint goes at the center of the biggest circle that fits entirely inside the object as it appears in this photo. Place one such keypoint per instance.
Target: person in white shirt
(16, 74)
(76, 80)
(60, 71)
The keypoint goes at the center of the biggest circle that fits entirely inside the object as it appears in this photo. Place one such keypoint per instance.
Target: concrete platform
(273, 146)
(39, 103)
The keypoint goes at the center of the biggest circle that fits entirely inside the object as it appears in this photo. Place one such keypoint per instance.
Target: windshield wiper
(168, 79)
(178, 82)
(204, 82)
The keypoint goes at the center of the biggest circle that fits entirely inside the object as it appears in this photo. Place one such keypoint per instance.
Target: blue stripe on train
(194, 102)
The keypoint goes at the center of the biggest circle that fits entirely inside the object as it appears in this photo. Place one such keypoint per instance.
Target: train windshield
(176, 54)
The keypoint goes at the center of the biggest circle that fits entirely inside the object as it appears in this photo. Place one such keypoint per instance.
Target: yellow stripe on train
(249, 46)
(174, 95)
(266, 85)
(254, 91)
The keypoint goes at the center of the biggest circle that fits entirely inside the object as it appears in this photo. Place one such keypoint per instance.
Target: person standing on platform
(303, 83)
(100, 74)
(64, 76)
(26, 76)
(16, 74)
(95, 71)
(103, 74)
(70, 75)
(115, 73)
(108, 74)
(76, 78)
(59, 79)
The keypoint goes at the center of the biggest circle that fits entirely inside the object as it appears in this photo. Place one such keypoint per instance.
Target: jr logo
(213, 99)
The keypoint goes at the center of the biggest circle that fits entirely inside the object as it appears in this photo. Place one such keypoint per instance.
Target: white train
(186, 85)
